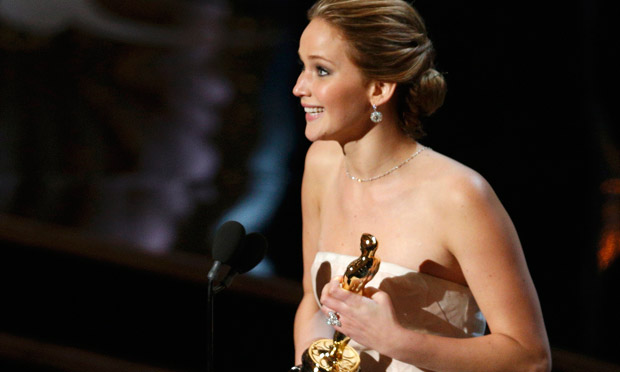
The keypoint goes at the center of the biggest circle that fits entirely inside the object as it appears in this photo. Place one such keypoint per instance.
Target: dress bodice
(422, 302)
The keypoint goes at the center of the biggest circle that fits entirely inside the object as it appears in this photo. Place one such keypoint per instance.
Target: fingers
(370, 291)
(332, 289)
(336, 282)
(335, 299)
(377, 295)
(333, 283)
(330, 303)
(333, 294)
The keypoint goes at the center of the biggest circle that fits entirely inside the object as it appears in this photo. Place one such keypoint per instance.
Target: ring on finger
(333, 319)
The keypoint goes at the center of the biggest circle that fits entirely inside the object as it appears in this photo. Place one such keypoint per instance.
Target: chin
(312, 135)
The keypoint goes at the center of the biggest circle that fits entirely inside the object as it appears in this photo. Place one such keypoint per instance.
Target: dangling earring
(376, 116)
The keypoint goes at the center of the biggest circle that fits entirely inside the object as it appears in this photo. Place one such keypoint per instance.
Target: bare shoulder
(471, 215)
(455, 185)
(323, 153)
(322, 159)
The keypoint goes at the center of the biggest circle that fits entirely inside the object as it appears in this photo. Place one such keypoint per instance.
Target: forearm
(305, 325)
(494, 352)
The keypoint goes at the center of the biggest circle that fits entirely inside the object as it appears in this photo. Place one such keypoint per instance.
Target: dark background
(85, 122)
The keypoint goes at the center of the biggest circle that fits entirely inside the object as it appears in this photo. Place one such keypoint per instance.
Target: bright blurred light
(609, 248)
(609, 244)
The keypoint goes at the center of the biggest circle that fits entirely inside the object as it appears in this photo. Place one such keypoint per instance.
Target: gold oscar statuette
(334, 355)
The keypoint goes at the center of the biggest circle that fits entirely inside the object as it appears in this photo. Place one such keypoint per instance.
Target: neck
(382, 148)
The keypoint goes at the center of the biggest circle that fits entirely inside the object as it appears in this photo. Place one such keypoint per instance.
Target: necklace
(346, 169)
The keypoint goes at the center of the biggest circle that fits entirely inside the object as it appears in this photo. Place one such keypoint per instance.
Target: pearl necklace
(346, 169)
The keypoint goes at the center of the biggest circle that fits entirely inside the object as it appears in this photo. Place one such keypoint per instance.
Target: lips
(313, 112)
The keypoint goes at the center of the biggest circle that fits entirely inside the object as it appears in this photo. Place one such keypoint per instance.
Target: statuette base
(317, 358)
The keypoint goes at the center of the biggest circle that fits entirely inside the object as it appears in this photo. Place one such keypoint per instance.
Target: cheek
(355, 104)
(327, 94)
(348, 100)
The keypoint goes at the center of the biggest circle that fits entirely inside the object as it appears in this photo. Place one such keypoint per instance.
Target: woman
(449, 251)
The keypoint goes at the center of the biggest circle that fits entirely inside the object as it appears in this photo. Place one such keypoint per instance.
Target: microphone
(228, 241)
(233, 248)
(249, 255)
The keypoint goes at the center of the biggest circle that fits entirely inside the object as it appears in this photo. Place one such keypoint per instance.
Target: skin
(433, 210)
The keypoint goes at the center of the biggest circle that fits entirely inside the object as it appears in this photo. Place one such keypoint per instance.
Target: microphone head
(252, 253)
(228, 242)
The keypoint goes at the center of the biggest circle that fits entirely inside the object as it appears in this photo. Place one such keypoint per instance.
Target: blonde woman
(451, 258)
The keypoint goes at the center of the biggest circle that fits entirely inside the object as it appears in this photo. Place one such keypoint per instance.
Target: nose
(300, 89)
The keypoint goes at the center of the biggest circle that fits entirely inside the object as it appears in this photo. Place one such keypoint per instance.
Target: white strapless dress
(422, 302)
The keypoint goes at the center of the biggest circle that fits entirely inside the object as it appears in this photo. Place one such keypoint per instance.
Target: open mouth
(313, 110)
(313, 113)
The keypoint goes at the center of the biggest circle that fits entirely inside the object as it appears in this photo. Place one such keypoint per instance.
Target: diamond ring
(333, 320)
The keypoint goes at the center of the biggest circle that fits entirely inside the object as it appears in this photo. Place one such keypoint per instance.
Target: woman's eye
(321, 71)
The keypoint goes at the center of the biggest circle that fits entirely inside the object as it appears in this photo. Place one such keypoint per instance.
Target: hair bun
(431, 91)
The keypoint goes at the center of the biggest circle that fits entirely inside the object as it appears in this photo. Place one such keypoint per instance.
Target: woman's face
(333, 91)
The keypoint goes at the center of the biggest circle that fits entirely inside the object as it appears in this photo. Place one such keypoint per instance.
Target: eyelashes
(320, 70)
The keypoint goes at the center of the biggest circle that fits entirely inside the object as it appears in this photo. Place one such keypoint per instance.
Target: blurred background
(131, 129)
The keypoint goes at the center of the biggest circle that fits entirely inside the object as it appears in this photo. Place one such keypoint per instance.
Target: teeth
(313, 110)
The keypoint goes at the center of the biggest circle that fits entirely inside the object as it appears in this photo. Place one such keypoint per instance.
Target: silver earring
(376, 116)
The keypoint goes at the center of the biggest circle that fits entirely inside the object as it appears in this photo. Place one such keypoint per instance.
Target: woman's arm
(305, 318)
(485, 243)
(483, 240)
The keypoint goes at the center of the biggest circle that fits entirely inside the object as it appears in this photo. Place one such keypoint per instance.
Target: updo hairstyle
(388, 42)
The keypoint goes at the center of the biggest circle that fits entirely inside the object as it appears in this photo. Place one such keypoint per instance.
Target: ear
(381, 92)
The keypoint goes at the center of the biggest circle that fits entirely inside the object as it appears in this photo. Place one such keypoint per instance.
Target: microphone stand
(212, 290)
(210, 320)
(256, 253)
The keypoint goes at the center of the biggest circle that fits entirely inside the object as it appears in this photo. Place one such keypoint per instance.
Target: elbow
(540, 361)
(545, 362)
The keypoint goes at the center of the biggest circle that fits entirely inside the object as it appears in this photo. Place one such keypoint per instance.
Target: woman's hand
(368, 319)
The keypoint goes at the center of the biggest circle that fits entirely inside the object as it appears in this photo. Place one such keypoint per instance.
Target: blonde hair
(388, 42)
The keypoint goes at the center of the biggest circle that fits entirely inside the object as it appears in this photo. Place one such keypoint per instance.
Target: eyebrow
(314, 56)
